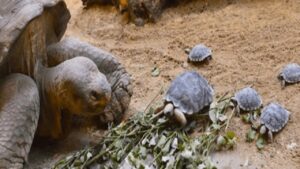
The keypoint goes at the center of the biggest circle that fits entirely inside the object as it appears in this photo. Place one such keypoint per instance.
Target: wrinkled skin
(19, 113)
(65, 85)
(73, 87)
(115, 73)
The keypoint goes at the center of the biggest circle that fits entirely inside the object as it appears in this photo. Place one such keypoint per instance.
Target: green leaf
(260, 143)
(230, 143)
(246, 118)
(170, 160)
(153, 140)
(213, 116)
(161, 141)
(155, 72)
(166, 148)
(221, 141)
(145, 141)
(175, 143)
(162, 120)
(250, 136)
(222, 117)
(151, 110)
(143, 152)
(187, 154)
(119, 144)
(216, 126)
(230, 135)
(145, 137)
(119, 155)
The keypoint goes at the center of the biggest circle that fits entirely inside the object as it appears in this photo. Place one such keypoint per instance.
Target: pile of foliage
(152, 140)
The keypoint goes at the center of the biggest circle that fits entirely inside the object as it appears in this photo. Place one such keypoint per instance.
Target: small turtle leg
(283, 84)
(252, 118)
(237, 110)
(179, 116)
(270, 136)
(168, 110)
(187, 51)
(235, 105)
(263, 130)
(188, 60)
(261, 106)
(208, 59)
(19, 114)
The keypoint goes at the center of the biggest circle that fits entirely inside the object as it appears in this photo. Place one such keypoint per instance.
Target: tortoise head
(85, 91)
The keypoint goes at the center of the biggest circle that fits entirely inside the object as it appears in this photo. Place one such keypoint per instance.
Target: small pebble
(291, 146)
(185, 65)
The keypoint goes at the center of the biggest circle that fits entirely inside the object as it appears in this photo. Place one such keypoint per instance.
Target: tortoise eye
(94, 95)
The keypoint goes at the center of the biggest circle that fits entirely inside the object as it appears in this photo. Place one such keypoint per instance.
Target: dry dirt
(251, 41)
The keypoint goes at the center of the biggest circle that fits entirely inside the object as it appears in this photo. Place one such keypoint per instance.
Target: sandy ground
(251, 41)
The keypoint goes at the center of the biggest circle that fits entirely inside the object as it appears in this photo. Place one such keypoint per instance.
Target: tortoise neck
(50, 81)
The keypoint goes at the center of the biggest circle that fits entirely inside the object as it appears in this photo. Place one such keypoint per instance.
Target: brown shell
(27, 27)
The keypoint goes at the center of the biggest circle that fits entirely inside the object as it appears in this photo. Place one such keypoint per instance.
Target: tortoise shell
(190, 92)
(290, 73)
(199, 53)
(248, 99)
(27, 27)
(274, 117)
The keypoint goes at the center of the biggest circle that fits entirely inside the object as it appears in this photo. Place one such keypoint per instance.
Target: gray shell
(190, 92)
(274, 117)
(248, 99)
(199, 53)
(291, 73)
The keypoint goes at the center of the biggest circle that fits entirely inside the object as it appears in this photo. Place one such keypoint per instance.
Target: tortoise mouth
(94, 110)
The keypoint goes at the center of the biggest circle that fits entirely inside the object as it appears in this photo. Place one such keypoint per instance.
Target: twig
(230, 117)
(151, 102)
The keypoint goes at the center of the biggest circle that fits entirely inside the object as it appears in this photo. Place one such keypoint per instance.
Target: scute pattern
(274, 117)
(199, 53)
(45, 21)
(190, 92)
(248, 99)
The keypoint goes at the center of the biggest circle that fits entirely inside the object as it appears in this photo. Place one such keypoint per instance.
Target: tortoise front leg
(270, 136)
(283, 84)
(180, 117)
(19, 113)
(107, 64)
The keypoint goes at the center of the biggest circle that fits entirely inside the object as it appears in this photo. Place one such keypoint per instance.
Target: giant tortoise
(42, 81)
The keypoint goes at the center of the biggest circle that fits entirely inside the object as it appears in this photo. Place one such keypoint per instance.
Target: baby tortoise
(246, 99)
(188, 94)
(199, 53)
(289, 74)
(273, 118)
